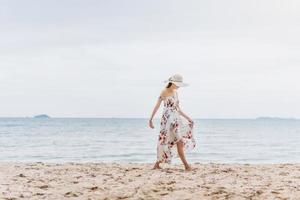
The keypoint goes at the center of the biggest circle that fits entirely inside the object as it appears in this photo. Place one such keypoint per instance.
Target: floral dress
(172, 129)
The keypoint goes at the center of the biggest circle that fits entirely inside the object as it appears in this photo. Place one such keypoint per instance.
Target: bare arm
(183, 114)
(156, 107)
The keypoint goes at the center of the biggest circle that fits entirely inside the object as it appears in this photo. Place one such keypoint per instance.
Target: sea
(130, 140)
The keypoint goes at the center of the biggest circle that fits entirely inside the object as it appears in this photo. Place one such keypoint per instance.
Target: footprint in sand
(164, 194)
(275, 192)
(218, 192)
(21, 175)
(171, 182)
(70, 194)
(39, 194)
(283, 173)
(43, 187)
(94, 188)
(134, 168)
(227, 170)
(155, 190)
(259, 192)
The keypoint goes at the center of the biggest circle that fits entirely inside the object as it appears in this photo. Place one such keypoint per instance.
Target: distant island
(275, 118)
(43, 116)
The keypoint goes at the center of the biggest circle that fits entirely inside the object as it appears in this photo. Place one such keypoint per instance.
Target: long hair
(169, 85)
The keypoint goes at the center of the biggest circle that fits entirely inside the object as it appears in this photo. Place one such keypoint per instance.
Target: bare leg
(182, 156)
(156, 166)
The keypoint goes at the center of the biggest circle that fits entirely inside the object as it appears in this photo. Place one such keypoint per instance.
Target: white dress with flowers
(173, 128)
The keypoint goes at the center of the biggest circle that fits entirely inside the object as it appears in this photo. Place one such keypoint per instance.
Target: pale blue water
(130, 140)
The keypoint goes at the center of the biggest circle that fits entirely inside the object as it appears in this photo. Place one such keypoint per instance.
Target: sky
(98, 58)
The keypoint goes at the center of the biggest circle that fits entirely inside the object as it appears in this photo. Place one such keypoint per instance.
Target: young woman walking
(174, 131)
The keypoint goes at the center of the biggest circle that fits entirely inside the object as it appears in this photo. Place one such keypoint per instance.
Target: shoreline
(98, 180)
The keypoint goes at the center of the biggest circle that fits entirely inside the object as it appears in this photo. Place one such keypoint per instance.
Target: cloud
(91, 58)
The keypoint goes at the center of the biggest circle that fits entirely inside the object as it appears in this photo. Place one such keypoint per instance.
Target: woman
(174, 131)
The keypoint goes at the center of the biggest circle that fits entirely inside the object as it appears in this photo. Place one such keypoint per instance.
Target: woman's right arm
(156, 107)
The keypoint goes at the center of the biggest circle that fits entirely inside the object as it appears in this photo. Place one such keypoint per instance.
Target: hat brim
(179, 84)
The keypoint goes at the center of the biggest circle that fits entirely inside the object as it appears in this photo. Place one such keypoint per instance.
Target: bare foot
(188, 168)
(156, 166)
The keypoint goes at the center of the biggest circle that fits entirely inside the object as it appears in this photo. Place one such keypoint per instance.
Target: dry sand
(138, 181)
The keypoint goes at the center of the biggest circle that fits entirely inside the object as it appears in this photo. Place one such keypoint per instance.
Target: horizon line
(204, 118)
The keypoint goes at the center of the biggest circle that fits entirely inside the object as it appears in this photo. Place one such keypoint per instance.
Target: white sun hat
(177, 80)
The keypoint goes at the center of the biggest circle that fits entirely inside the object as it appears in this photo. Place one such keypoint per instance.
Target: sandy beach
(138, 181)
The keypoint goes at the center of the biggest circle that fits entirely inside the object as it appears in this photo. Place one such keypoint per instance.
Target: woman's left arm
(181, 112)
(184, 115)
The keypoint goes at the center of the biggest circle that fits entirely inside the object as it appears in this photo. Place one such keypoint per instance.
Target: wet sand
(139, 181)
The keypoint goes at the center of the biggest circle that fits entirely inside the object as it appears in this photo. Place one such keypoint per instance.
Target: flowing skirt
(173, 128)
